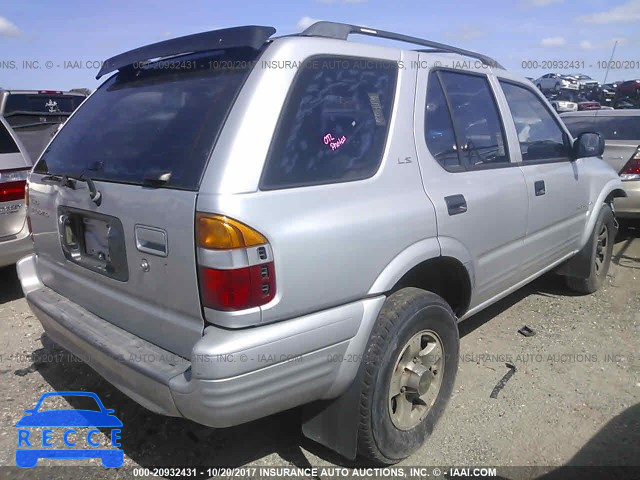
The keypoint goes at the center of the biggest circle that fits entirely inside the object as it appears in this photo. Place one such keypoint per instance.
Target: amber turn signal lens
(218, 232)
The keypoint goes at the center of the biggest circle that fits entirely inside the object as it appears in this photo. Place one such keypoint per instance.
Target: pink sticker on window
(332, 142)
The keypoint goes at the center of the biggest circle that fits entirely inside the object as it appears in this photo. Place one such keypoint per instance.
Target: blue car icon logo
(36, 433)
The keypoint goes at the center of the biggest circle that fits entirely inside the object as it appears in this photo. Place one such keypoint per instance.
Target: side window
(7, 145)
(476, 120)
(540, 136)
(438, 129)
(334, 125)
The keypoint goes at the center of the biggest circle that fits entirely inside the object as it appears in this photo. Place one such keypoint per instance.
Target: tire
(406, 315)
(597, 252)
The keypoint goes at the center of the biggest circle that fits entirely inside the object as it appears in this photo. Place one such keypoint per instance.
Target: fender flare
(578, 266)
(417, 253)
(611, 190)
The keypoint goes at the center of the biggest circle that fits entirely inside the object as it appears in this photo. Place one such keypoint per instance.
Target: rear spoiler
(248, 36)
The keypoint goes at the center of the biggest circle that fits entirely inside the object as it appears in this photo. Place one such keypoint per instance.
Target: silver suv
(265, 223)
(15, 165)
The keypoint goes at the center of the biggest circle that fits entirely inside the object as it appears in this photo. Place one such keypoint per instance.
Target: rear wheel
(600, 249)
(410, 367)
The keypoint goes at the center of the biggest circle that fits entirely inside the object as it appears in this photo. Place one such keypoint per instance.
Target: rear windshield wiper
(156, 178)
(68, 181)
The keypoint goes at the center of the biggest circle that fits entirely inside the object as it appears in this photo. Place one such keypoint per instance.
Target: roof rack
(251, 36)
(341, 31)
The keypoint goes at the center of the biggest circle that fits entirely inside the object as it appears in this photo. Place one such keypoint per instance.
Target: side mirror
(588, 144)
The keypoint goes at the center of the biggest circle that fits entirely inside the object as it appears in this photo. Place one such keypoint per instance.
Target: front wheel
(410, 367)
(599, 250)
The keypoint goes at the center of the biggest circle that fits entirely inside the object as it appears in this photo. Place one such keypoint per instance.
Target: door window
(539, 134)
(476, 120)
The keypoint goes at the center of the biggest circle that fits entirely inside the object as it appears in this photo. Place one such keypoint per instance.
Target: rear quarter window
(334, 124)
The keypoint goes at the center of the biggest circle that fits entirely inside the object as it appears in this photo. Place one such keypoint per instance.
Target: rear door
(478, 193)
(36, 116)
(14, 169)
(126, 251)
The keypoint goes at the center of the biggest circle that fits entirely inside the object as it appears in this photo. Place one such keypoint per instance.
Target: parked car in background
(607, 93)
(588, 105)
(35, 115)
(621, 130)
(293, 219)
(556, 82)
(630, 88)
(15, 164)
(585, 82)
(564, 106)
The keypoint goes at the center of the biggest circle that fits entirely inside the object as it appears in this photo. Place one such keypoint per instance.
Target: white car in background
(556, 82)
(562, 106)
(15, 165)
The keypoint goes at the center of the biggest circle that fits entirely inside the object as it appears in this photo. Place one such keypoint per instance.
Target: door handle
(151, 240)
(456, 204)
(539, 188)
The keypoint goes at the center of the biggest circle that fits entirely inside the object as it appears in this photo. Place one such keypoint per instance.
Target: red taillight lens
(12, 191)
(631, 171)
(12, 185)
(237, 289)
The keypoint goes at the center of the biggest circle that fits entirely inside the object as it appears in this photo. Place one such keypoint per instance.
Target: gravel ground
(573, 400)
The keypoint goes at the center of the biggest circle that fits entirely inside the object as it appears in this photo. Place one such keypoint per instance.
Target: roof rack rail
(341, 31)
(251, 36)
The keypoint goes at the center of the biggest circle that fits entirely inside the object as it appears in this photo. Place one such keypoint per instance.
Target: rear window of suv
(611, 128)
(163, 118)
(334, 125)
(41, 103)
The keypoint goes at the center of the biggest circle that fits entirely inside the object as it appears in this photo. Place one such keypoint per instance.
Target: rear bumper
(629, 206)
(233, 376)
(15, 247)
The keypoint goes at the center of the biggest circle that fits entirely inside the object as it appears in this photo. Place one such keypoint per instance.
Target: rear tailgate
(144, 138)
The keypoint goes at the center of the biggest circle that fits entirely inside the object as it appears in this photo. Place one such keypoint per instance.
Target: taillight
(12, 185)
(631, 171)
(235, 264)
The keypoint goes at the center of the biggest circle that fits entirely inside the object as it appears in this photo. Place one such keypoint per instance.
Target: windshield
(155, 120)
(42, 103)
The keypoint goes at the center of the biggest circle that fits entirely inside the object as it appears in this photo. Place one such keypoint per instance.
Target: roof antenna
(606, 74)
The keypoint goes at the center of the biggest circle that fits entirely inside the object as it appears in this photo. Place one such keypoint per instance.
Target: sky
(58, 45)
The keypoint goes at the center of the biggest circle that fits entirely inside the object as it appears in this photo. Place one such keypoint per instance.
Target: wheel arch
(611, 190)
(441, 265)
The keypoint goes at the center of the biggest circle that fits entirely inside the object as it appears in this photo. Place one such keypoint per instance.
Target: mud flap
(334, 423)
